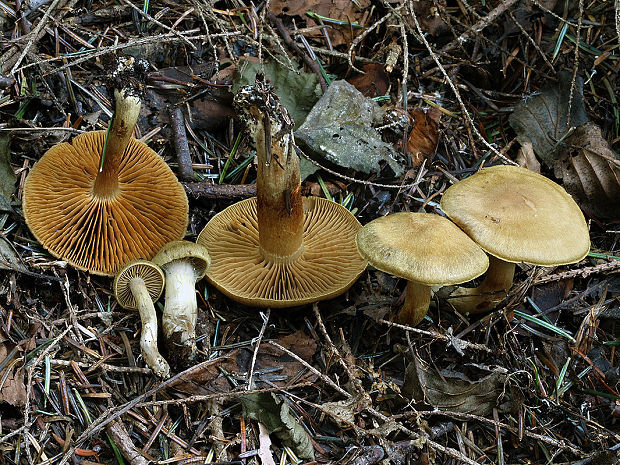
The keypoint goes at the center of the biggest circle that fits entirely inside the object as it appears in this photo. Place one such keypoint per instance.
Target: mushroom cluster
(517, 216)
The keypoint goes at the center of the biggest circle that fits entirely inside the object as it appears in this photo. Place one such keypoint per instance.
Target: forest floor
(459, 85)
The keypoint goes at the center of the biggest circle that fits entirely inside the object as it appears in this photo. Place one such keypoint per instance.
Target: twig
(121, 438)
(259, 338)
(34, 36)
(312, 64)
(103, 366)
(475, 29)
(613, 266)
(205, 190)
(179, 136)
(438, 335)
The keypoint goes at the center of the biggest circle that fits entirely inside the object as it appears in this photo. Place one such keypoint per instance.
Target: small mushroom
(184, 263)
(136, 286)
(100, 210)
(279, 249)
(517, 216)
(427, 250)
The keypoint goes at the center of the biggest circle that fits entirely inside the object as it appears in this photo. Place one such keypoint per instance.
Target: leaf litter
(336, 384)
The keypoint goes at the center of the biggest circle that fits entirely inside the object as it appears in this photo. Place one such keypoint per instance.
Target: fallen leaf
(453, 391)
(591, 171)
(9, 260)
(374, 83)
(274, 413)
(527, 159)
(424, 136)
(12, 389)
(339, 10)
(7, 176)
(543, 119)
(428, 16)
(264, 449)
(298, 91)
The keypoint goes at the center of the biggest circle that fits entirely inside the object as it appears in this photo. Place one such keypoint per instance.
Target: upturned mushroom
(279, 249)
(425, 249)
(184, 263)
(100, 201)
(517, 216)
(136, 286)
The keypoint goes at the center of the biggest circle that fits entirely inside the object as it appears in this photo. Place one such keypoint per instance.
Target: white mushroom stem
(181, 308)
(148, 339)
(417, 300)
(493, 289)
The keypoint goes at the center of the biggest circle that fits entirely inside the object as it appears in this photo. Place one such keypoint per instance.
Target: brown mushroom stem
(148, 338)
(489, 293)
(181, 309)
(118, 137)
(279, 204)
(417, 300)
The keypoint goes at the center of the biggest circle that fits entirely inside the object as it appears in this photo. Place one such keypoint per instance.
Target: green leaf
(298, 91)
(7, 176)
(273, 412)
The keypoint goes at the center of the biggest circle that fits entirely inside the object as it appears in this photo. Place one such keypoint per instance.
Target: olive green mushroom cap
(195, 254)
(421, 247)
(151, 274)
(519, 216)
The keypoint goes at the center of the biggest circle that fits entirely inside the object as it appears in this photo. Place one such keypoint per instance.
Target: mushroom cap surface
(151, 274)
(519, 216)
(195, 254)
(328, 265)
(421, 247)
(98, 234)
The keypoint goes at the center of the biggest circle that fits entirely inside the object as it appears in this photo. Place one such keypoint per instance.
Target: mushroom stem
(491, 291)
(148, 338)
(279, 206)
(417, 300)
(181, 308)
(118, 137)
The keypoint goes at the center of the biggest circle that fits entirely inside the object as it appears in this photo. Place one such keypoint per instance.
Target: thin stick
(186, 172)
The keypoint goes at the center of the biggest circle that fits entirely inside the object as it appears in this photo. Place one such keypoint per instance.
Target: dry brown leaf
(424, 136)
(591, 171)
(527, 158)
(12, 387)
(210, 378)
(341, 10)
(374, 83)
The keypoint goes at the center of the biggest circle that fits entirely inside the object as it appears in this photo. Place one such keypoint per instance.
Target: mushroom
(100, 210)
(136, 286)
(427, 250)
(517, 216)
(184, 263)
(279, 249)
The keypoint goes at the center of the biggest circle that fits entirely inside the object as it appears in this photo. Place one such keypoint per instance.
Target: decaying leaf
(274, 413)
(7, 176)
(543, 119)
(340, 129)
(374, 83)
(339, 10)
(9, 260)
(453, 391)
(298, 91)
(12, 387)
(210, 378)
(424, 136)
(591, 171)
(583, 159)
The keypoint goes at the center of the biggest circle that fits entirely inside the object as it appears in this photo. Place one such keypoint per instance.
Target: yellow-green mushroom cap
(519, 216)
(421, 247)
(151, 274)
